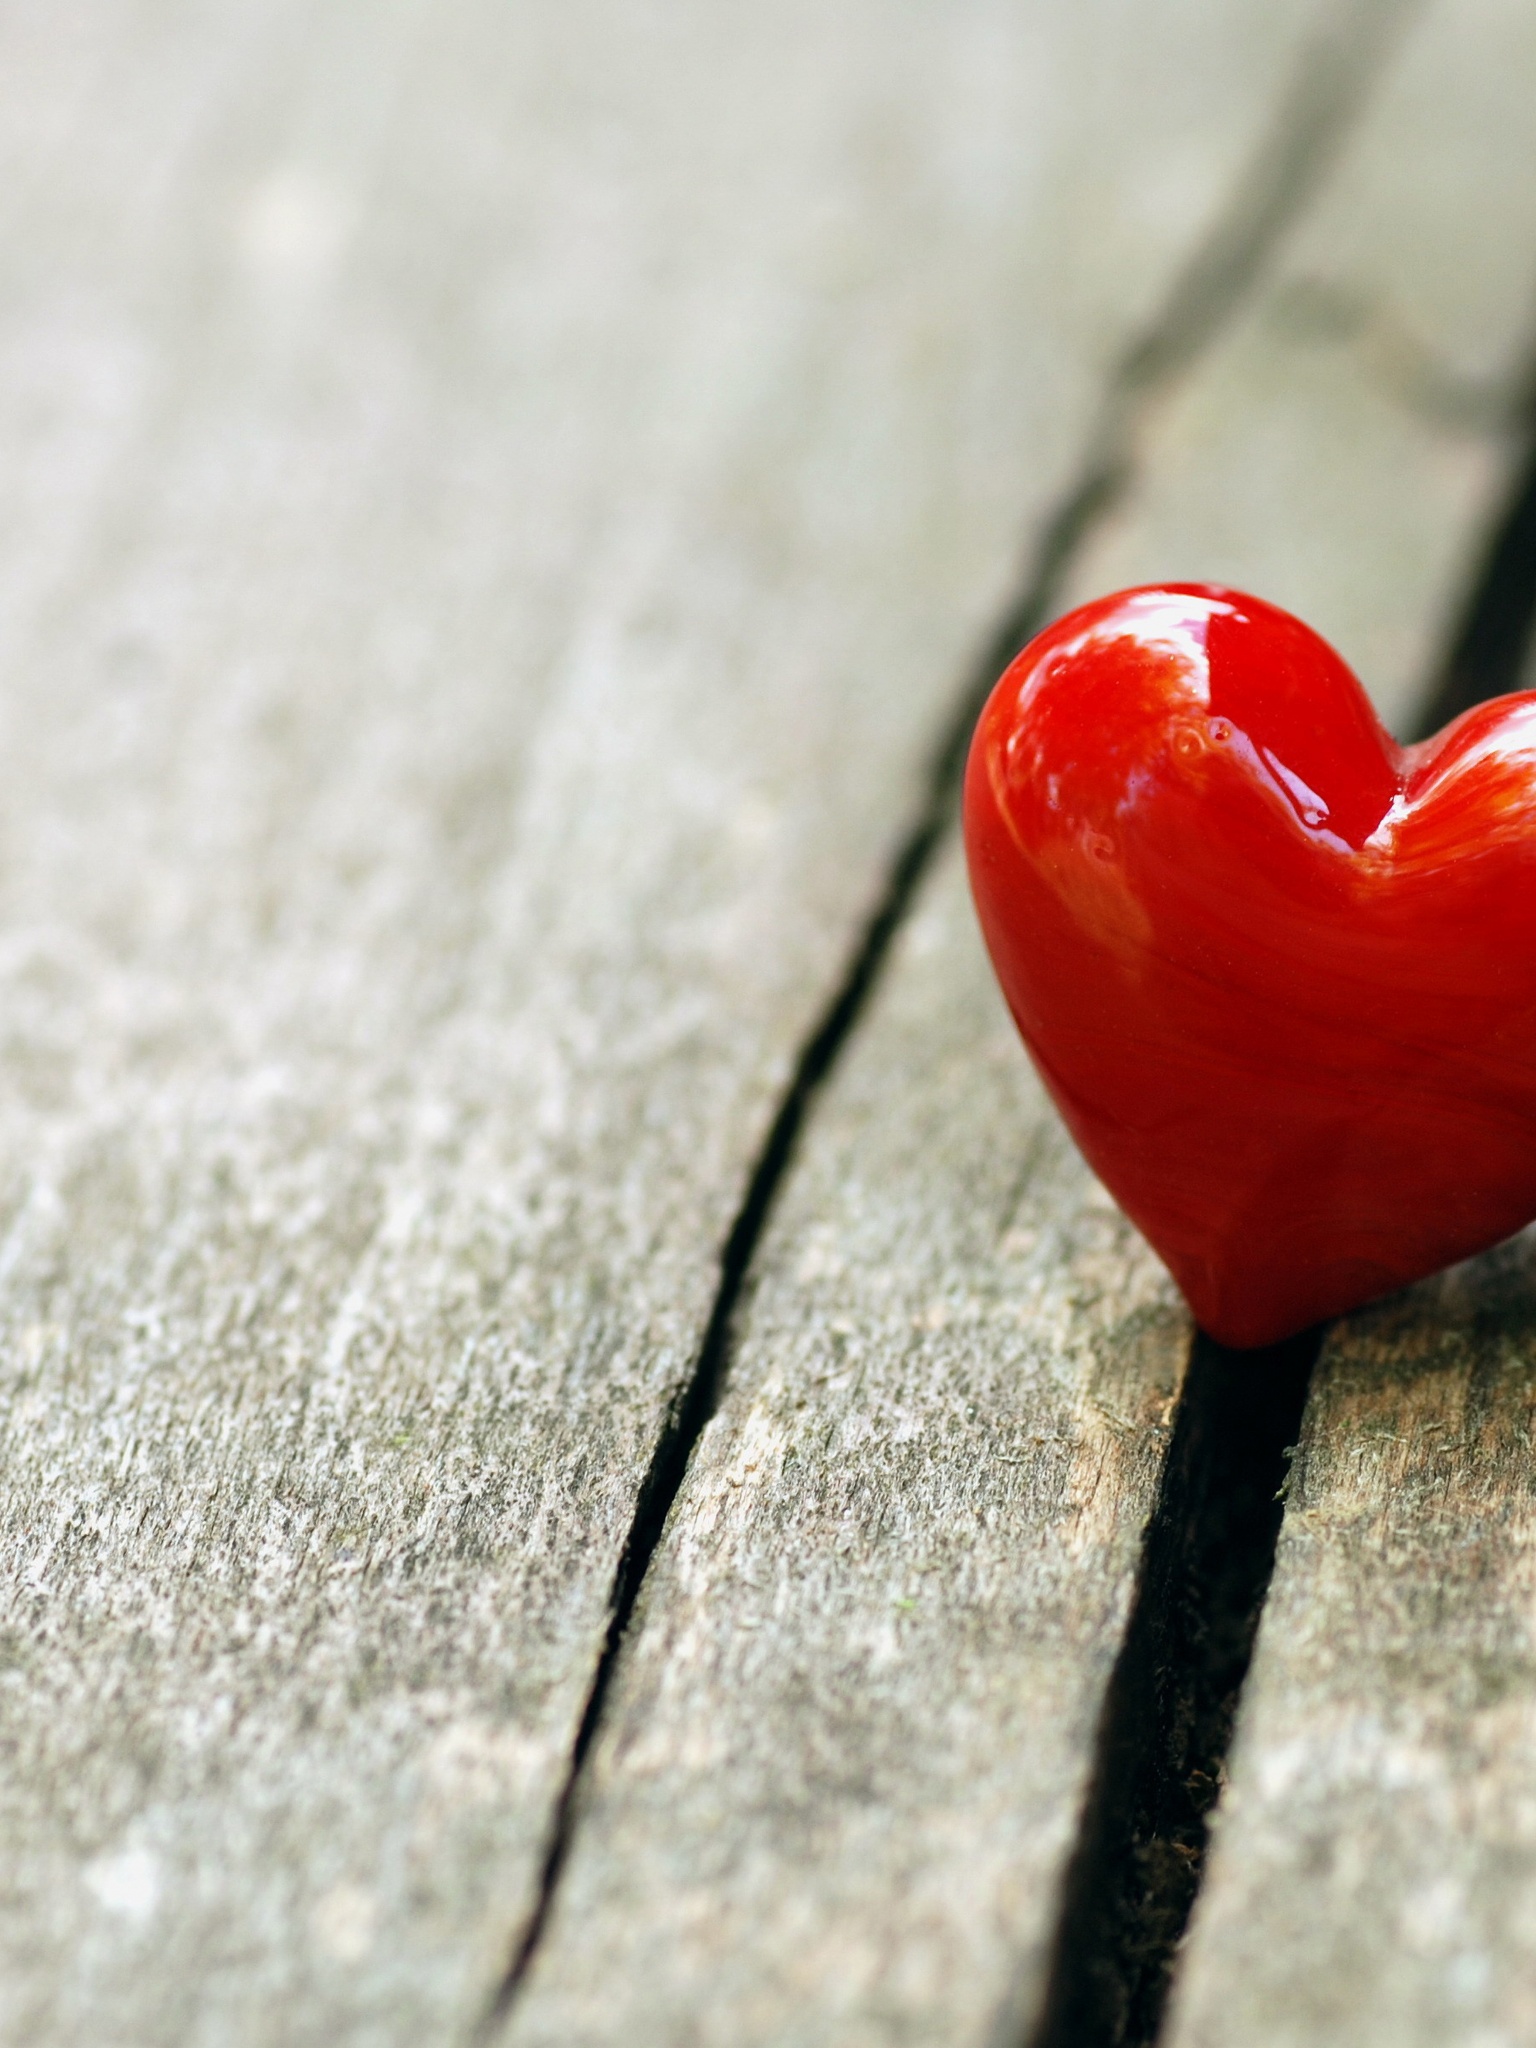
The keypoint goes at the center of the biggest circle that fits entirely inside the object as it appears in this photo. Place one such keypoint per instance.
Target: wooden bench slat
(495, 501)
(849, 1743)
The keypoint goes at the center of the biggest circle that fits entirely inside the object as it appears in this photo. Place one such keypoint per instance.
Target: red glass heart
(1278, 973)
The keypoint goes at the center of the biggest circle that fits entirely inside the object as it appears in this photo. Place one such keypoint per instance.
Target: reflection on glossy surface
(1278, 972)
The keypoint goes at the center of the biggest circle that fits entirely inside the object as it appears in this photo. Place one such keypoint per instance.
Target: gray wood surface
(1347, 441)
(842, 1771)
(495, 502)
(1374, 1873)
(850, 1739)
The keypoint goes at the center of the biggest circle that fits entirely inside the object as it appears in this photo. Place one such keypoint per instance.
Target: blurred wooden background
(578, 1444)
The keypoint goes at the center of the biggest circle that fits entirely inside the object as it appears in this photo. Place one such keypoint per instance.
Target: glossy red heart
(1278, 973)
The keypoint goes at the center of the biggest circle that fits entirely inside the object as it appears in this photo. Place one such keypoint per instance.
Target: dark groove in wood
(1493, 633)
(1169, 1711)
(1312, 123)
(699, 1397)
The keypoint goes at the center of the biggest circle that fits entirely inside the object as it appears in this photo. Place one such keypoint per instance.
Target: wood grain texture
(1374, 1873)
(843, 1770)
(494, 503)
(1346, 442)
(850, 1740)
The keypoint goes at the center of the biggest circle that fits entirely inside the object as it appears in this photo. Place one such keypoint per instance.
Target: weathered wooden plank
(1375, 1862)
(840, 1769)
(1287, 465)
(849, 1741)
(494, 502)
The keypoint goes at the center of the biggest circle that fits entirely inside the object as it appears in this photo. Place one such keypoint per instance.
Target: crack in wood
(1168, 1714)
(1492, 636)
(1301, 144)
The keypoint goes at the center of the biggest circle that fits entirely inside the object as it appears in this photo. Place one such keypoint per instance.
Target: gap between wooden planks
(843, 1753)
(495, 501)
